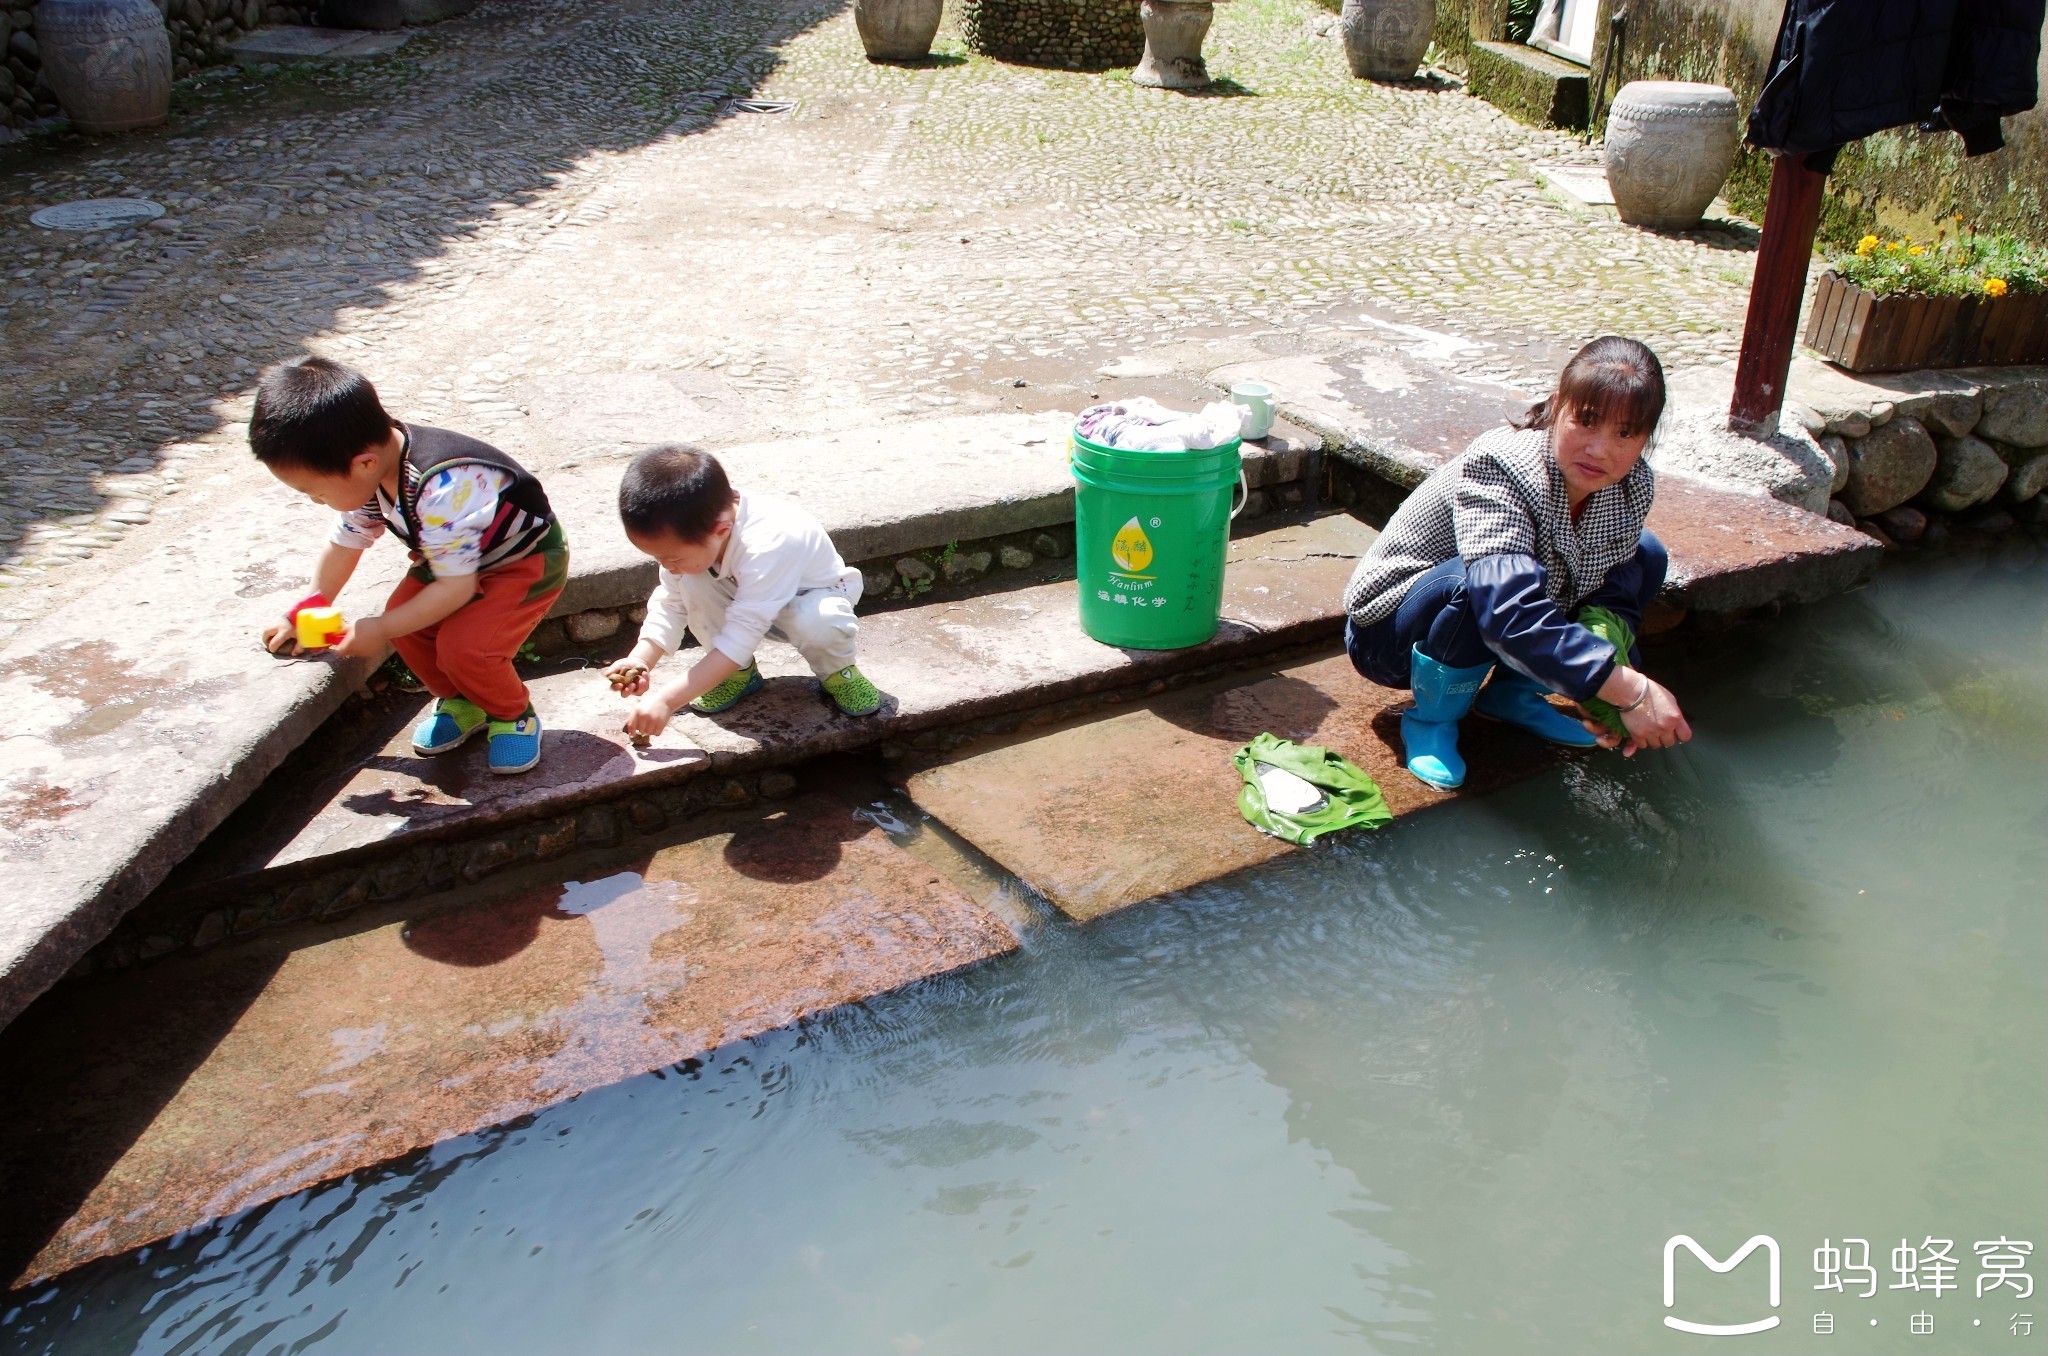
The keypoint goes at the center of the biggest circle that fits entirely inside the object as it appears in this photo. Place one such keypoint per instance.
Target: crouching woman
(1491, 558)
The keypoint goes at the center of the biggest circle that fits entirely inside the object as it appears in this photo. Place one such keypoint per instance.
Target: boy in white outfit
(734, 569)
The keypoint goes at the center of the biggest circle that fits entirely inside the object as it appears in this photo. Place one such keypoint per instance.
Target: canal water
(1453, 1088)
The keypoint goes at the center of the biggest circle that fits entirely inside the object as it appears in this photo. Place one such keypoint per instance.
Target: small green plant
(1964, 264)
(401, 675)
(528, 653)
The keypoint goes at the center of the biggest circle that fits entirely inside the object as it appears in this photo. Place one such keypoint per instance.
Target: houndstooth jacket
(1503, 495)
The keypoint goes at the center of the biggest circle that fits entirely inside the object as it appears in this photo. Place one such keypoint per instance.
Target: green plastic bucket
(1150, 533)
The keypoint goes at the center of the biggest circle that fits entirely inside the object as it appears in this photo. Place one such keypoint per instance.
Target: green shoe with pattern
(852, 692)
(727, 694)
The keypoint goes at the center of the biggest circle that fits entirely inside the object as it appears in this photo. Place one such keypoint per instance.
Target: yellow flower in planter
(1867, 246)
(1994, 287)
(1917, 249)
(1894, 247)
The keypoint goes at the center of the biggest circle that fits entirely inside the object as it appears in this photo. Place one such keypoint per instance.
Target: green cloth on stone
(1622, 637)
(1275, 800)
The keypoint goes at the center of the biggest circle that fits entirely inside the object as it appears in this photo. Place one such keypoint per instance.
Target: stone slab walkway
(1080, 815)
(211, 1085)
(519, 240)
(541, 210)
(138, 720)
(938, 665)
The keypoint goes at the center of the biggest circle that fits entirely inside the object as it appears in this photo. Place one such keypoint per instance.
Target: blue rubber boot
(1519, 700)
(1429, 732)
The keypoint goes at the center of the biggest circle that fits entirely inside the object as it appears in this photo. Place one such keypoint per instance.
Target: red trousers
(468, 653)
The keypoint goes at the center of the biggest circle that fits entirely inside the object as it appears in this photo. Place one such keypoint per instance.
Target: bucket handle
(1245, 486)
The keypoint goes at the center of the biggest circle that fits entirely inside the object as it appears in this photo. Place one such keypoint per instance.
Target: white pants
(818, 622)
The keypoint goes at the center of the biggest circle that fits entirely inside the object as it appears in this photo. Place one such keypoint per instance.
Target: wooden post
(1791, 217)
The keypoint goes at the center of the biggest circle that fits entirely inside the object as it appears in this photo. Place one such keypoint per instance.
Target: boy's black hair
(676, 490)
(316, 413)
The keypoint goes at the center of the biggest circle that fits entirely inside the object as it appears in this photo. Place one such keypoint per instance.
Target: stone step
(214, 1083)
(399, 823)
(885, 491)
(144, 712)
(1079, 815)
(1529, 85)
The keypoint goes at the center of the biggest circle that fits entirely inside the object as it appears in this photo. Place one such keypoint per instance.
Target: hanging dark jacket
(1846, 68)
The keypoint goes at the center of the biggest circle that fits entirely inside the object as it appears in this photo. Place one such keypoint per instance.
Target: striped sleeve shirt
(1503, 495)
(456, 506)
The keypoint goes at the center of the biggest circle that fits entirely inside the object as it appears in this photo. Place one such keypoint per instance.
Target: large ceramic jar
(108, 60)
(897, 30)
(1670, 144)
(1386, 39)
(1174, 30)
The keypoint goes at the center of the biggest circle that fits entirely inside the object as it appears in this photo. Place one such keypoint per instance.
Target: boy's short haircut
(318, 414)
(675, 490)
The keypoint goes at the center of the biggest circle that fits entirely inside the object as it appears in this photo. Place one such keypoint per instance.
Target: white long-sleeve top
(776, 551)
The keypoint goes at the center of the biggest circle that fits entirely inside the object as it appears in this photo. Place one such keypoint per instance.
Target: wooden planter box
(1866, 333)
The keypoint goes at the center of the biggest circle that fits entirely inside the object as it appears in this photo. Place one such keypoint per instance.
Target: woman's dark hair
(1609, 380)
(677, 490)
(316, 413)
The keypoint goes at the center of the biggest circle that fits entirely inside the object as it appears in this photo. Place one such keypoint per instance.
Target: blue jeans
(1436, 616)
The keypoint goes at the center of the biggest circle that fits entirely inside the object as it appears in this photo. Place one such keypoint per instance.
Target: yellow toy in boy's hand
(319, 627)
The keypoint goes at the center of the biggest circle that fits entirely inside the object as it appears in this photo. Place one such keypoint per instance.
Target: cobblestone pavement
(551, 224)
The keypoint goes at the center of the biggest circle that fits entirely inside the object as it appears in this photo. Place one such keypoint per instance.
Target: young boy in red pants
(489, 558)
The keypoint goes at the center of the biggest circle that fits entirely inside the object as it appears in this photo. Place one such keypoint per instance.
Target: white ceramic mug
(1255, 398)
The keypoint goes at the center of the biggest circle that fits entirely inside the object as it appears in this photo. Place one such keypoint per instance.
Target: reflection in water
(615, 1005)
(1450, 1086)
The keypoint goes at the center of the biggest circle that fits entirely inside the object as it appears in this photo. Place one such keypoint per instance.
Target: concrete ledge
(886, 491)
(1392, 414)
(137, 719)
(143, 714)
(940, 666)
(1732, 551)
(1528, 85)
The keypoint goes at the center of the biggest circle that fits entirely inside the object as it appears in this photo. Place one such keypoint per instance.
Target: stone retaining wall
(1075, 35)
(201, 31)
(1946, 450)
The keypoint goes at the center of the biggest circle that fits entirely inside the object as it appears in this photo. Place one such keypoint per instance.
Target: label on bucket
(1131, 548)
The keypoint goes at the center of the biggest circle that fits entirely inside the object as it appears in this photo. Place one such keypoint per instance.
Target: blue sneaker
(450, 724)
(1519, 700)
(1429, 732)
(515, 744)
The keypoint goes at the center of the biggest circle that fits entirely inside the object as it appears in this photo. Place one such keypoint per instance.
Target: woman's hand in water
(1655, 722)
